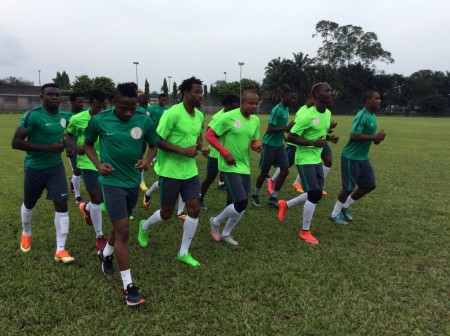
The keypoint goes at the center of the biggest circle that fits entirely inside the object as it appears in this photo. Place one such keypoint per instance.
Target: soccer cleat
(64, 256)
(143, 186)
(346, 214)
(181, 215)
(187, 259)
(103, 207)
(308, 237)
(298, 187)
(338, 219)
(106, 262)
(131, 296)
(324, 193)
(100, 243)
(270, 185)
(282, 210)
(214, 229)
(142, 235)
(78, 199)
(230, 240)
(273, 202)
(25, 244)
(203, 205)
(255, 201)
(146, 201)
(86, 214)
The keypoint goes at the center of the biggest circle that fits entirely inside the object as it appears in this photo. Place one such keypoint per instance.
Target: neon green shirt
(121, 144)
(278, 118)
(363, 123)
(181, 129)
(212, 151)
(311, 125)
(236, 134)
(76, 127)
(302, 109)
(156, 111)
(43, 128)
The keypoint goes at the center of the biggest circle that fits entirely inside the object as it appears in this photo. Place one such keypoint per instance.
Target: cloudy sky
(205, 38)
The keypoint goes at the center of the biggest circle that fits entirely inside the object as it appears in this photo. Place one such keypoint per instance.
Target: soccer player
(77, 103)
(239, 132)
(121, 130)
(229, 102)
(310, 134)
(75, 130)
(179, 129)
(356, 169)
(157, 110)
(274, 153)
(40, 134)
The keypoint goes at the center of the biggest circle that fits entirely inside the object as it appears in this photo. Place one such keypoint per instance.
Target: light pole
(240, 80)
(137, 81)
(225, 73)
(39, 73)
(169, 88)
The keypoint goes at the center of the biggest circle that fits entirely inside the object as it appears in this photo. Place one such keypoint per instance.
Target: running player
(40, 134)
(356, 169)
(157, 110)
(75, 130)
(238, 131)
(121, 130)
(179, 130)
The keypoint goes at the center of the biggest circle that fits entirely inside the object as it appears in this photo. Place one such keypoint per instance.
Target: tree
(62, 80)
(147, 88)
(103, 83)
(165, 88)
(434, 104)
(221, 90)
(174, 91)
(16, 81)
(205, 91)
(82, 84)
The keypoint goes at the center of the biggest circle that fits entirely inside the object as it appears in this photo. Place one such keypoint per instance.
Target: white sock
(142, 177)
(180, 205)
(108, 250)
(300, 199)
(76, 185)
(96, 216)
(275, 193)
(308, 212)
(348, 202)
(189, 228)
(26, 215)
(62, 229)
(221, 183)
(226, 213)
(297, 180)
(153, 188)
(337, 208)
(231, 223)
(326, 170)
(126, 278)
(88, 207)
(256, 191)
(276, 174)
(152, 220)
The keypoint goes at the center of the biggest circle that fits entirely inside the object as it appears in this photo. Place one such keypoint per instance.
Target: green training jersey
(212, 151)
(311, 125)
(236, 134)
(76, 127)
(363, 123)
(121, 144)
(278, 118)
(181, 129)
(156, 111)
(44, 128)
(302, 110)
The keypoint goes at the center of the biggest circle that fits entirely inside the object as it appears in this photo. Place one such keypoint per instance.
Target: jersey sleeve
(151, 137)
(28, 121)
(358, 124)
(72, 126)
(166, 124)
(274, 116)
(91, 132)
(221, 125)
(301, 123)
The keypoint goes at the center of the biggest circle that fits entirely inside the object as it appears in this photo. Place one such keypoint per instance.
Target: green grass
(387, 273)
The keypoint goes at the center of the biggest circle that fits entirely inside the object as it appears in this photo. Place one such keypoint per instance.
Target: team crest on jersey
(315, 121)
(63, 123)
(237, 124)
(136, 133)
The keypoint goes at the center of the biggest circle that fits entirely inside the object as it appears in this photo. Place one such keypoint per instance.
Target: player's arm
(376, 138)
(212, 137)
(300, 141)
(19, 142)
(200, 147)
(168, 147)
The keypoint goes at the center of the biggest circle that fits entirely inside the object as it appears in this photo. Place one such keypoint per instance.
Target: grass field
(387, 273)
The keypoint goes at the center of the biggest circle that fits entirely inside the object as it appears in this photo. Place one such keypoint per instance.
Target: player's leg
(265, 163)
(212, 169)
(327, 158)
(282, 162)
(75, 180)
(349, 176)
(149, 192)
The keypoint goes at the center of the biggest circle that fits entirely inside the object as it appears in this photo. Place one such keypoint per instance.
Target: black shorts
(311, 176)
(356, 172)
(238, 186)
(212, 167)
(90, 178)
(169, 188)
(273, 156)
(53, 179)
(119, 201)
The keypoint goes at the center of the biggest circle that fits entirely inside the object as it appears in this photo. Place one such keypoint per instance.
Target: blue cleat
(346, 214)
(338, 219)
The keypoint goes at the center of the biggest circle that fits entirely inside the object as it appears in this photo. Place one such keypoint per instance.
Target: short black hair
(316, 88)
(368, 94)
(230, 99)
(287, 90)
(98, 95)
(126, 90)
(74, 96)
(134, 85)
(53, 85)
(162, 95)
(143, 98)
(186, 85)
(246, 93)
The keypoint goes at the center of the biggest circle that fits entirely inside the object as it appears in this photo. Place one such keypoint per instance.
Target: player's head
(77, 101)
(125, 101)
(192, 91)
(249, 102)
(97, 101)
(143, 100)
(140, 92)
(322, 94)
(51, 95)
(230, 102)
(372, 100)
(309, 100)
(162, 99)
(287, 97)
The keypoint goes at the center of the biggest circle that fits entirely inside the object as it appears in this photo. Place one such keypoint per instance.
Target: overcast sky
(205, 38)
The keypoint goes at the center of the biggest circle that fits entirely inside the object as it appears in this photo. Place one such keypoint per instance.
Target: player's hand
(289, 127)
(376, 142)
(142, 164)
(56, 147)
(334, 139)
(205, 152)
(189, 151)
(230, 159)
(105, 169)
(321, 142)
(69, 151)
(258, 149)
(333, 125)
(380, 136)
(80, 150)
